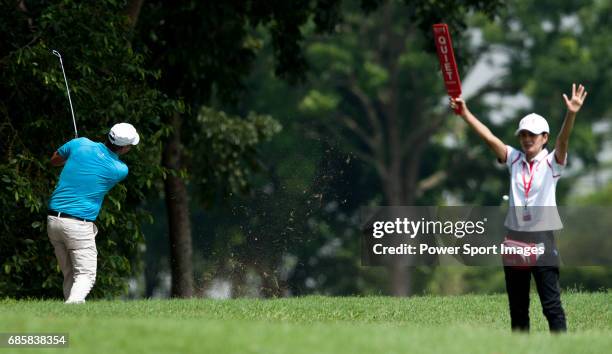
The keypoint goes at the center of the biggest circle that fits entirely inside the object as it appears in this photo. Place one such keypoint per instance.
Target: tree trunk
(177, 208)
(400, 274)
(401, 279)
(133, 11)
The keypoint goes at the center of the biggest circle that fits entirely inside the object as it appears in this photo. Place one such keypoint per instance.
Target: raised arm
(57, 160)
(498, 147)
(573, 106)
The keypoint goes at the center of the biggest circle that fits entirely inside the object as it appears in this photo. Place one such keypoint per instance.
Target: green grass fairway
(458, 324)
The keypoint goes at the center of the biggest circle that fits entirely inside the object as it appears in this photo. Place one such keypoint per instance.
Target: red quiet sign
(444, 47)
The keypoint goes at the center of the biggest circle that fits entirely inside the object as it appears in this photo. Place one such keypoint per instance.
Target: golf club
(57, 54)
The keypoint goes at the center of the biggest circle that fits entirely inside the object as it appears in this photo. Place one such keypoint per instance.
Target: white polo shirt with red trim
(533, 206)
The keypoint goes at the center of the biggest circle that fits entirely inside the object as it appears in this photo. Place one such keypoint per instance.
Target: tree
(204, 49)
(379, 92)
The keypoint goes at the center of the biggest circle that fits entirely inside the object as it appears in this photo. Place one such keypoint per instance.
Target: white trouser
(74, 242)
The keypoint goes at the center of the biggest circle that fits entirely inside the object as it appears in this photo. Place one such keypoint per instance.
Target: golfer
(534, 173)
(91, 170)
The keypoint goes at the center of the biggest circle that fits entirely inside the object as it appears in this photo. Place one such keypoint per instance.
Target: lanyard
(527, 184)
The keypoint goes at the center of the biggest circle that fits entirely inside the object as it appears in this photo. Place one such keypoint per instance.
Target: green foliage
(318, 103)
(602, 197)
(547, 52)
(225, 151)
(548, 46)
(205, 48)
(108, 85)
(298, 229)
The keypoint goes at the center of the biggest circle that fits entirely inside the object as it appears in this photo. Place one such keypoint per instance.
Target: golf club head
(56, 53)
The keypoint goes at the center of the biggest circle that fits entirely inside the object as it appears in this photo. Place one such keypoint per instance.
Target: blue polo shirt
(91, 170)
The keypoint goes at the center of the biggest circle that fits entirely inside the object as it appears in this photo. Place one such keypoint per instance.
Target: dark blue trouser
(547, 283)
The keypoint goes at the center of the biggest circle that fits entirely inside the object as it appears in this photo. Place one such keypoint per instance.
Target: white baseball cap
(123, 134)
(534, 123)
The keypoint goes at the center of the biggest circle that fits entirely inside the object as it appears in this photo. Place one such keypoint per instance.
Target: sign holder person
(534, 173)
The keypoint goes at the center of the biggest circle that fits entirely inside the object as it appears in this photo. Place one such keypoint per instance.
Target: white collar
(537, 158)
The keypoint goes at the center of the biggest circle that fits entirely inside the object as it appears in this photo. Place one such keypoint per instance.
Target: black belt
(66, 215)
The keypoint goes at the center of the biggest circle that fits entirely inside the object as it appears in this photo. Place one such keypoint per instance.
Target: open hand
(578, 95)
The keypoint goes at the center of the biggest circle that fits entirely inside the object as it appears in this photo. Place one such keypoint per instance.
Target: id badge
(526, 214)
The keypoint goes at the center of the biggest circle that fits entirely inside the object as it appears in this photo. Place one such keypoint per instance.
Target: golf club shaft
(56, 53)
